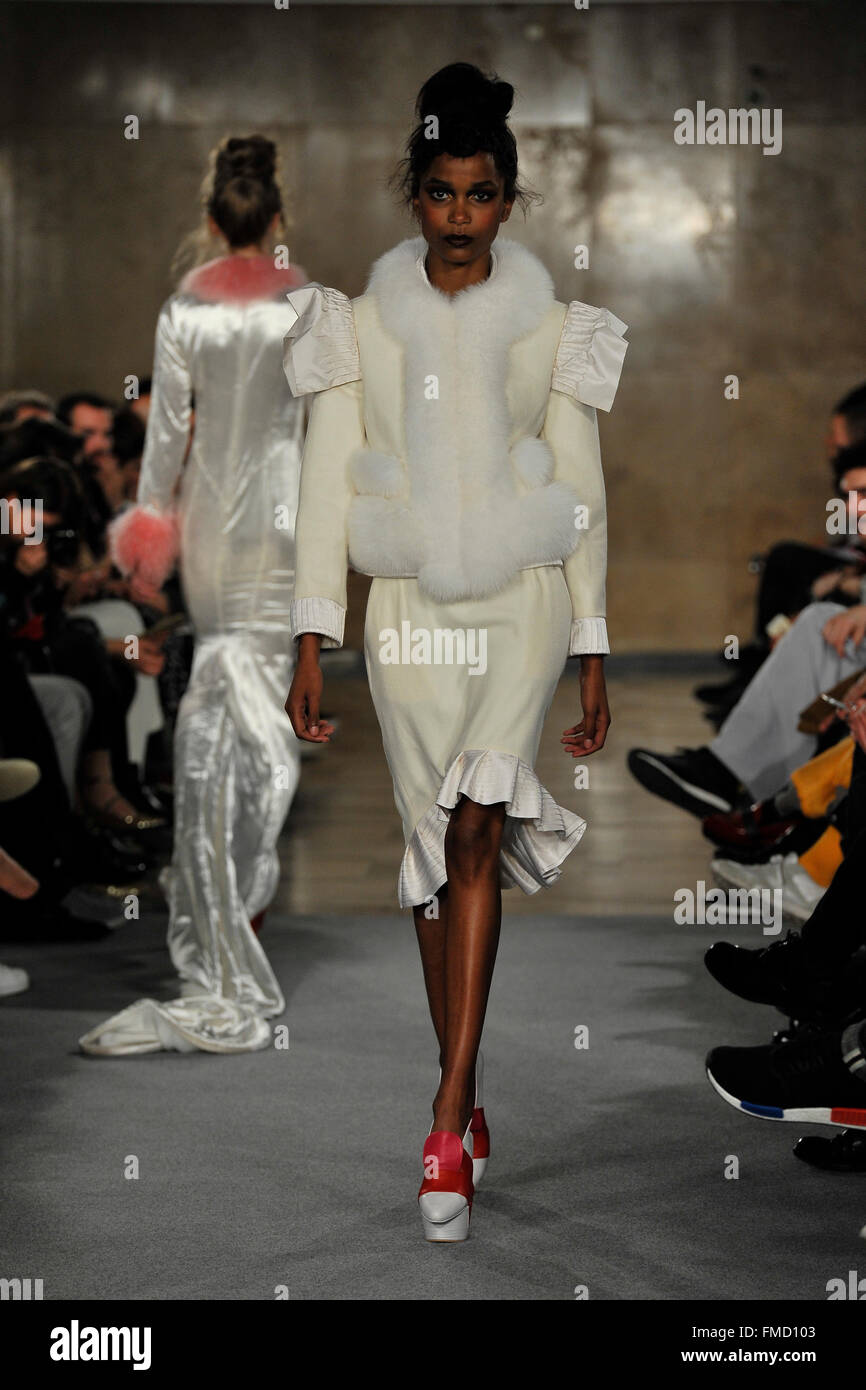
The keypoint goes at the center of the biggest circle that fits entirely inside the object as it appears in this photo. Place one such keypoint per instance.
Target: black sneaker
(844, 1153)
(692, 778)
(803, 1079)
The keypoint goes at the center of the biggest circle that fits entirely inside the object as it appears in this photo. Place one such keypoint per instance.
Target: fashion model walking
(236, 763)
(453, 454)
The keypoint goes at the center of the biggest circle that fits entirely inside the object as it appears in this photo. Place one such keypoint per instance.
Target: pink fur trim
(145, 544)
(241, 279)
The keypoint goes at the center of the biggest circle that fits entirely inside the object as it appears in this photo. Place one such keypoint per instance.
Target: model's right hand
(302, 706)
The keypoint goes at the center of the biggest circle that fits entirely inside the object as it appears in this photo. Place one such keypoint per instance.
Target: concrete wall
(720, 259)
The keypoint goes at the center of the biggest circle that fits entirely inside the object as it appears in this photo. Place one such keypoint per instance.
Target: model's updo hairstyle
(245, 195)
(241, 191)
(471, 110)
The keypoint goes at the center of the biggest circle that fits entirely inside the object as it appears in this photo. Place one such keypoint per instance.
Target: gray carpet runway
(296, 1170)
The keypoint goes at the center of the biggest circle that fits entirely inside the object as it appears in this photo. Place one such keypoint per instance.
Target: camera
(62, 544)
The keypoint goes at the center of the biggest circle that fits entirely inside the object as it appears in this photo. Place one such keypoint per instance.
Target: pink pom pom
(144, 544)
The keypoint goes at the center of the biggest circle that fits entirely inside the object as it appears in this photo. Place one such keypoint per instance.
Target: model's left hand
(589, 735)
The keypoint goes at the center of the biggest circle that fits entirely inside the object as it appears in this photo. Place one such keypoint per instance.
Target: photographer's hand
(842, 626)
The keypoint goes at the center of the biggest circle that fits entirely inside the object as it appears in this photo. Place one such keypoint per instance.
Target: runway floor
(296, 1170)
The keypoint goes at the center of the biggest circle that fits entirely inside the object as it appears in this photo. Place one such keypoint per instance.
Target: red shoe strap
(445, 1147)
(447, 1165)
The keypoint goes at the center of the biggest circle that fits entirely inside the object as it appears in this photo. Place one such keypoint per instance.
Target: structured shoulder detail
(320, 349)
(590, 355)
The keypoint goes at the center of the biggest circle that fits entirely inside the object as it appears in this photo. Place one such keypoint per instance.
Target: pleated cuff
(322, 615)
(589, 637)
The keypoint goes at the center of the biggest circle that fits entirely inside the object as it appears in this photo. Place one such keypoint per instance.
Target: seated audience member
(93, 589)
(51, 640)
(17, 778)
(815, 1072)
(40, 831)
(16, 406)
(92, 418)
(83, 579)
(759, 744)
(37, 436)
(794, 574)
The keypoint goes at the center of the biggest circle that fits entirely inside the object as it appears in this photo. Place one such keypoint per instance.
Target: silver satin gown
(236, 758)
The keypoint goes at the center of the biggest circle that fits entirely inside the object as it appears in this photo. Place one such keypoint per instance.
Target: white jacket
(454, 437)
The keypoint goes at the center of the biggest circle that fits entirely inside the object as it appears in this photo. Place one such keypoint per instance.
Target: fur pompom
(145, 543)
(534, 462)
(378, 475)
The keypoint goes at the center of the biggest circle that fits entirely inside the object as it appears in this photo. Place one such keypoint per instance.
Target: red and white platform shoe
(451, 1174)
(445, 1195)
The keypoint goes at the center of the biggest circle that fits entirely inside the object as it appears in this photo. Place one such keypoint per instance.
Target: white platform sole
(445, 1216)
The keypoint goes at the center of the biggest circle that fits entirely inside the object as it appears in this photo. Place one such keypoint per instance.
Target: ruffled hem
(196, 1023)
(538, 836)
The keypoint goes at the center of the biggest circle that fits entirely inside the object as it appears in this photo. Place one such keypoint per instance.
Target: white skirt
(463, 714)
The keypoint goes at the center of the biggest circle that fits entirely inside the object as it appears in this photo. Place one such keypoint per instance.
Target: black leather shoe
(844, 1153)
(784, 976)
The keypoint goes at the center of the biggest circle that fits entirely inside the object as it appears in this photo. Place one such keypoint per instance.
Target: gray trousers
(759, 741)
(68, 709)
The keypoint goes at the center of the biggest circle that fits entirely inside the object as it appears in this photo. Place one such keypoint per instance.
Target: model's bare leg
(432, 936)
(460, 964)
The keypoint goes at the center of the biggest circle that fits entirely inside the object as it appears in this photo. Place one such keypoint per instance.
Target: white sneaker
(13, 980)
(800, 893)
